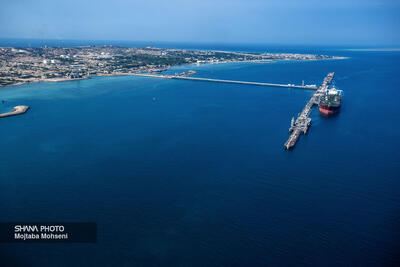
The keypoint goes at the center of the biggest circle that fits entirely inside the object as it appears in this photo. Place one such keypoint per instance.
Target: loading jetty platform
(303, 121)
(17, 111)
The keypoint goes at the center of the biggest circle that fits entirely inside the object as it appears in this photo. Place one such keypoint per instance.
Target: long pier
(309, 87)
(303, 121)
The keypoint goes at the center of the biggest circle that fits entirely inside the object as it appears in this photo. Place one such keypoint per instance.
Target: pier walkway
(309, 87)
(303, 121)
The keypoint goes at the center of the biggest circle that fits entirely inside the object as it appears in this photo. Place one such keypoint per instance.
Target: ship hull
(328, 110)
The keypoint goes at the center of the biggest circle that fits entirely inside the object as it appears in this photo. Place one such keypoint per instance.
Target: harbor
(298, 126)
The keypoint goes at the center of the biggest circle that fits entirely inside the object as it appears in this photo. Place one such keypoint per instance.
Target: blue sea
(188, 173)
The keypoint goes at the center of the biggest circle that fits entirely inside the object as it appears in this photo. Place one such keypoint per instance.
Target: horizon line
(366, 46)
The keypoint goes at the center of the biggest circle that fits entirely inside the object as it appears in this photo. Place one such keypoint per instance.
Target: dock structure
(303, 121)
(181, 77)
(17, 110)
(298, 126)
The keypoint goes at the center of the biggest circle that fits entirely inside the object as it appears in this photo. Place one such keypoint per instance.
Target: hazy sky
(224, 21)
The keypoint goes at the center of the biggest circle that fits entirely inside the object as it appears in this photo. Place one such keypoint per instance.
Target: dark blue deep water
(181, 173)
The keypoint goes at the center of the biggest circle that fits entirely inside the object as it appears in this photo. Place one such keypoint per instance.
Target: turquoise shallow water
(183, 173)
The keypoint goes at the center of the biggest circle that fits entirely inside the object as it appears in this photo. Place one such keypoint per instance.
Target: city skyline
(355, 22)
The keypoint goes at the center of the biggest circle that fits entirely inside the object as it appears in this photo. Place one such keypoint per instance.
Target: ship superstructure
(330, 102)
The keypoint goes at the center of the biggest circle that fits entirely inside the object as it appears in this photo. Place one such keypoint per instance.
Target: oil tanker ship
(330, 101)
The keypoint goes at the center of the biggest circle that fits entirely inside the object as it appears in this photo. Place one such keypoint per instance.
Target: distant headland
(21, 65)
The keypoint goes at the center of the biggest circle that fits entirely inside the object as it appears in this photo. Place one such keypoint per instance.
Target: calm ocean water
(180, 173)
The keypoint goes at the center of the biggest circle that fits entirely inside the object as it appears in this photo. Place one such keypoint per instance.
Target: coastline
(116, 74)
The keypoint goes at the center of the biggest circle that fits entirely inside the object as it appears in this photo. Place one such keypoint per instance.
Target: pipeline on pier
(184, 77)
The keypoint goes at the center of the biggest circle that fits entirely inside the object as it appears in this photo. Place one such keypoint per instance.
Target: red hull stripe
(327, 111)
